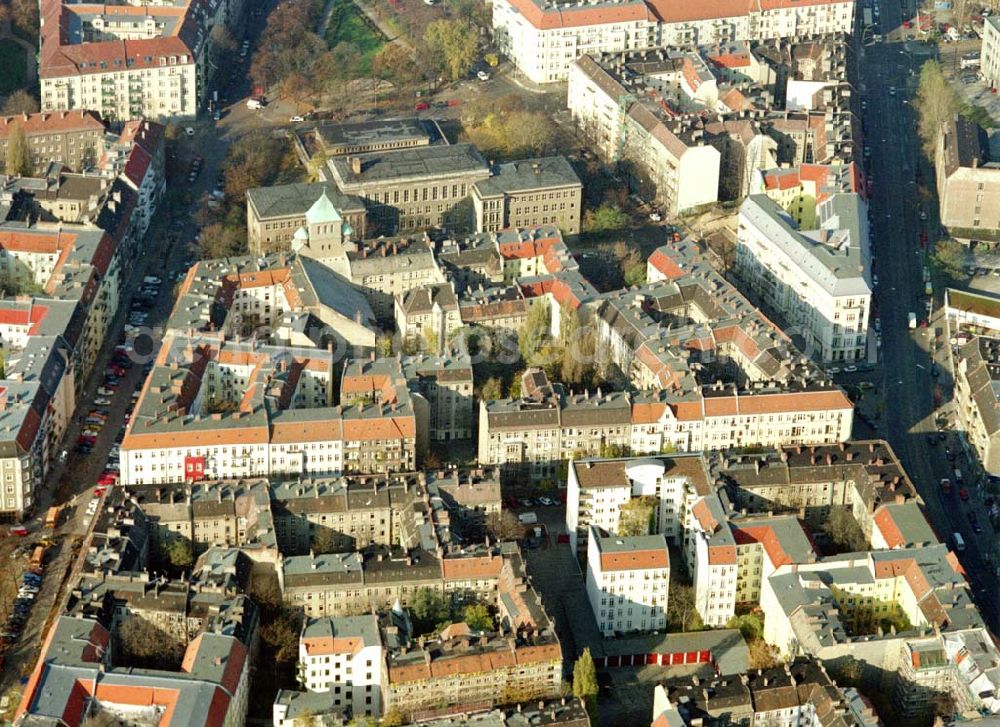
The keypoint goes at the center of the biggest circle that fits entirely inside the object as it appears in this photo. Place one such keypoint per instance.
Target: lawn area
(349, 25)
(13, 65)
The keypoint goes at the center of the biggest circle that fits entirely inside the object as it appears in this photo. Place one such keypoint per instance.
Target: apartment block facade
(818, 281)
(73, 138)
(628, 580)
(543, 39)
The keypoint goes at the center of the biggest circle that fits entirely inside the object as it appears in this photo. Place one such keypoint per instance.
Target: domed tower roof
(322, 211)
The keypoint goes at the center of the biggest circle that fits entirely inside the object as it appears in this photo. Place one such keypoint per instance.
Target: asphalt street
(908, 385)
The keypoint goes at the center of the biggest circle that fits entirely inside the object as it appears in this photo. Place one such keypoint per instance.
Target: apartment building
(596, 490)
(282, 299)
(529, 193)
(413, 188)
(461, 667)
(817, 280)
(534, 433)
(445, 383)
(50, 342)
(671, 158)
(427, 317)
(977, 371)
(968, 178)
(799, 692)
(837, 607)
(543, 39)
(211, 688)
(340, 584)
(220, 409)
(799, 190)
(275, 214)
(763, 544)
(628, 580)
(287, 515)
(989, 51)
(391, 267)
(711, 556)
(149, 61)
(344, 657)
(73, 138)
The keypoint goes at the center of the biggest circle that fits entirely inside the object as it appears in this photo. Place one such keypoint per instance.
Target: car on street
(105, 391)
(296, 119)
(483, 76)
(655, 217)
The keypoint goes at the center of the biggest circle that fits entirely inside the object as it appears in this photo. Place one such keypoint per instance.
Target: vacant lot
(349, 25)
(12, 62)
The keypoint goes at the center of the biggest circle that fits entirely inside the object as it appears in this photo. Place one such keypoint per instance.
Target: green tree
(936, 102)
(681, 612)
(477, 616)
(394, 63)
(428, 608)
(841, 527)
(383, 345)
(751, 626)
(492, 389)
(281, 636)
(578, 347)
(324, 541)
(393, 718)
(636, 516)
(534, 334)
(18, 161)
(585, 682)
(949, 258)
(606, 218)
(317, 163)
(431, 341)
(180, 553)
(514, 392)
(452, 45)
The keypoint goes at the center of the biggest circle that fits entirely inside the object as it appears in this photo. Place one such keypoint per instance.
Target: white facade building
(710, 553)
(628, 580)
(679, 163)
(818, 280)
(543, 38)
(596, 490)
(989, 63)
(344, 656)
(158, 78)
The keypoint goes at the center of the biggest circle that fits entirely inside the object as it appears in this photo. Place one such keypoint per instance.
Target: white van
(527, 518)
(254, 104)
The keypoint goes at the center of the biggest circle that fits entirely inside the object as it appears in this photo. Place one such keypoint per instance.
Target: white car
(655, 216)
(483, 76)
(189, 131)
(297, 118)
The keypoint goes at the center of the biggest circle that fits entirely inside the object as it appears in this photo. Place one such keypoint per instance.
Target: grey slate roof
(294, 200)
(839, 270)
(529, 174)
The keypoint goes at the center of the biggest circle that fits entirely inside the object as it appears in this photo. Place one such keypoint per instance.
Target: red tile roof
(49, 122)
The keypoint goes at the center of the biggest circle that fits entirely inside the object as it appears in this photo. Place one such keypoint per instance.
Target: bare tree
(504, 525)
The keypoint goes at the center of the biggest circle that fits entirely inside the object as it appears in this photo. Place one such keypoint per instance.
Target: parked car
(105, 391)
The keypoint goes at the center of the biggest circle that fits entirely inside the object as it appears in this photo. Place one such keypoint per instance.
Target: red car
(108, 479)
(422, 106)
(963, 495)
(20, 531)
